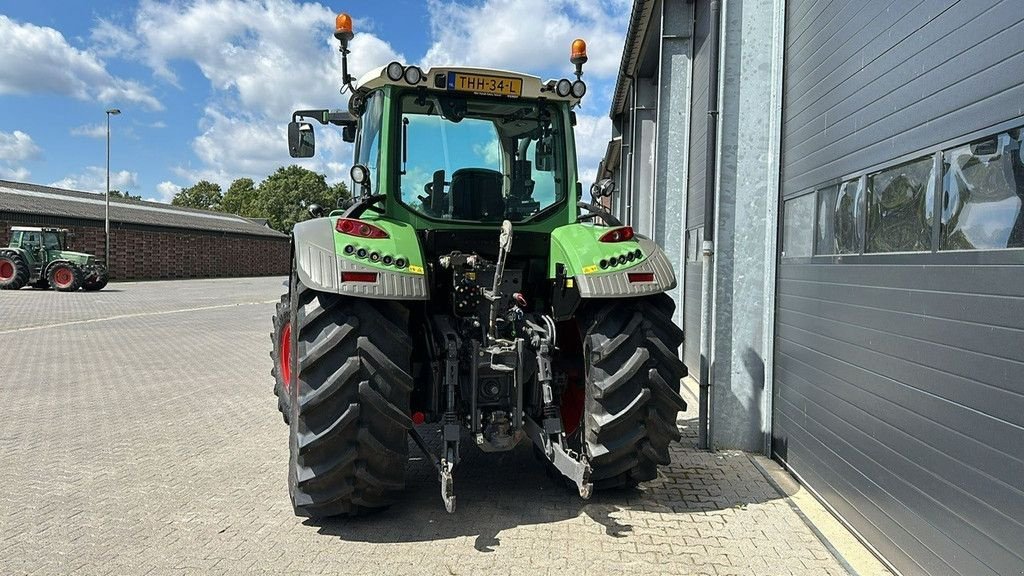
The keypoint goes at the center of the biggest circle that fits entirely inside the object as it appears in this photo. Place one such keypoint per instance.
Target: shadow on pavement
(500, 491)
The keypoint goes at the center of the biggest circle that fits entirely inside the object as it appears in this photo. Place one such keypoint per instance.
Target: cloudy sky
(207, 86)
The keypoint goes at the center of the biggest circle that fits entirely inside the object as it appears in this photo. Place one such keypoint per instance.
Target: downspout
(705, 426)
(632, 145)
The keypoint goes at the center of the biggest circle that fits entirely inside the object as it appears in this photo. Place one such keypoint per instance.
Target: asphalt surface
(140, 436)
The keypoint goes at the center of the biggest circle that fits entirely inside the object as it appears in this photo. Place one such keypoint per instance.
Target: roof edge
(639, 20)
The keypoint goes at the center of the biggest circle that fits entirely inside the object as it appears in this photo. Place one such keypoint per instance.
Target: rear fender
(322, 255)
(578, 248)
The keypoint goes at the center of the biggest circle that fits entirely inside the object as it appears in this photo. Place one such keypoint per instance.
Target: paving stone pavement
(140, 436)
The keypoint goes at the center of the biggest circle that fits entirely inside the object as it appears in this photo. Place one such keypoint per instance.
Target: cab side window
(51, 242)
(32, 240)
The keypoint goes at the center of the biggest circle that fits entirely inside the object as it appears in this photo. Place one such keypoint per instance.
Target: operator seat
(476, 194)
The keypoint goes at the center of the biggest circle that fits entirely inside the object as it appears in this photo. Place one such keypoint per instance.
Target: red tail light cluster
(640, 277)
(358, 276)
(359, 229)
(618, 234)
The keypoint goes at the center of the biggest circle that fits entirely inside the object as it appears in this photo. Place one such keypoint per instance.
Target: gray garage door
(899, 390)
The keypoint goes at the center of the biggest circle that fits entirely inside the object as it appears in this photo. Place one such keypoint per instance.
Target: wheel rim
(286, 357)
(571, 404)
(6, 270)
(63, 277)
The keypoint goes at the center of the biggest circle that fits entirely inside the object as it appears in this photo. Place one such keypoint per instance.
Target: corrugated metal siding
(691, 319)
(899, 387)
(698, 116)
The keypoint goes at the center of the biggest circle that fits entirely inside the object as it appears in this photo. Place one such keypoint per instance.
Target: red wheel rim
(6, 270)
(571, 403)
(63, 277)
(285, 368)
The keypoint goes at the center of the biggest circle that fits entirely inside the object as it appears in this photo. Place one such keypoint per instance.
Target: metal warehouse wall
(695, 183)
(899, 378)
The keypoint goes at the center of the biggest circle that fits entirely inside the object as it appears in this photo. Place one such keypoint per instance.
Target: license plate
(482, 84)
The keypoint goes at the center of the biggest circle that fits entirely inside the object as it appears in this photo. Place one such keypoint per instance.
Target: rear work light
(638, 277)
(359, 229)
(618, 234)
(358, 276)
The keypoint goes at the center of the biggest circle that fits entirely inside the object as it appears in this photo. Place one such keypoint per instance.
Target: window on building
(694, 239)
(798, 226)
(826, 237)
(983, 204)
(839, 219)
(899, 207)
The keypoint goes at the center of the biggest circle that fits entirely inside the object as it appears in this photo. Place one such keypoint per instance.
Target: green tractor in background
(468, 287)
(39, 257)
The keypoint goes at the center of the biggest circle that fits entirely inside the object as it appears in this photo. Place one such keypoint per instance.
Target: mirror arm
(599, 211)
(362, 205)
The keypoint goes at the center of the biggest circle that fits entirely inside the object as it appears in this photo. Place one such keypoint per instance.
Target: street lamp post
(106, 211)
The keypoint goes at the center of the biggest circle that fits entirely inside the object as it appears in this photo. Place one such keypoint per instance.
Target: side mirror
(315, 210)
(301, 140)
(603, 188)
(348, 134)
(544, 156)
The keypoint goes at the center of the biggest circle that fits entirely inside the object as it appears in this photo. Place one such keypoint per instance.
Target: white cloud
(592, 135)
(94, 179)
(16, 147)
(36, 59)
(16, 174)
(527, 35)
(167, 190)
(263, 60)
(273, 55)
(90, 131)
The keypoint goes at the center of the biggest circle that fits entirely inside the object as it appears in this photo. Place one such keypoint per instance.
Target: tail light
(358, 276)
(638, 277)
(359, 229)
(618, 234)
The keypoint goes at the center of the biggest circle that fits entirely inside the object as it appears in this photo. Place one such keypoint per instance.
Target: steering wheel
(596, 211)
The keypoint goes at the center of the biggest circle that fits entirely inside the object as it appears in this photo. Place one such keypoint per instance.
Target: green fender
(323, 256)
(635, 267)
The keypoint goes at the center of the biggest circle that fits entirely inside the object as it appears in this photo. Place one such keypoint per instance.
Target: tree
(125, 195)
(285, 195)
(240, 198)
(204, 195)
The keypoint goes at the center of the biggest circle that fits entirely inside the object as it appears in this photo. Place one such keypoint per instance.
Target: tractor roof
(437, 78)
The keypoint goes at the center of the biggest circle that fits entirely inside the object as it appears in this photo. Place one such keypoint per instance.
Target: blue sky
(206, 86)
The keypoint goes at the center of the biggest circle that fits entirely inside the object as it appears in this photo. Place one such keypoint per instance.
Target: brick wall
(149, 253)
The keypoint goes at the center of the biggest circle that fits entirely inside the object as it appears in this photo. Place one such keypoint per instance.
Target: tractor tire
(281, 354)
(14, 272)
(633, 374)
(351, 371)
(64, 277)
(98, 284)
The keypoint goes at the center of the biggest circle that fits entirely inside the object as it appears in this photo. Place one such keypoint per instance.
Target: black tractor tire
(633, 374)
(350, 419)
(14, 271)
(64, 277)
(280, 353)
(98, 283)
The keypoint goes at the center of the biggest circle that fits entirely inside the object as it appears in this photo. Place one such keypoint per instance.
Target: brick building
(149, 240)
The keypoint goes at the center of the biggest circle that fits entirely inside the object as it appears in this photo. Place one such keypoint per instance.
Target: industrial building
(846, 179)
(149, 240)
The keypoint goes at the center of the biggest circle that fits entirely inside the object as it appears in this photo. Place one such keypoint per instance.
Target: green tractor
(469, 288)
(39, 257)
